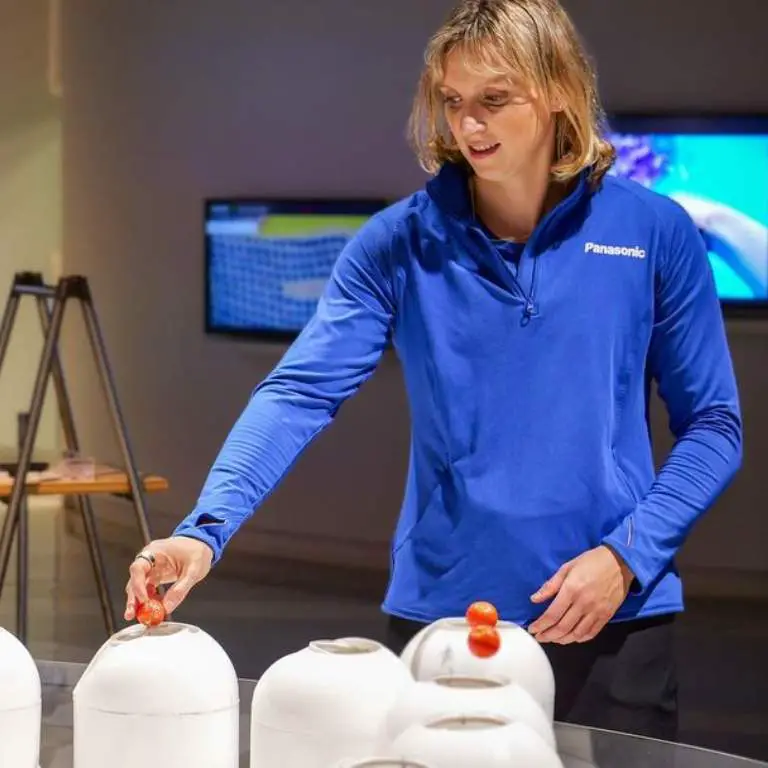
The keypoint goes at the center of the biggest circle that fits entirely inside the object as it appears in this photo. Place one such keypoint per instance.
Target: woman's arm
(337, 351)
(690, 360)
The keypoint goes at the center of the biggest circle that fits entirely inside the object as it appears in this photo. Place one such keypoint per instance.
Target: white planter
(325, 703)
(440, 650)
(167, 695)
(20, 704)
(474, 741)
(443, 697)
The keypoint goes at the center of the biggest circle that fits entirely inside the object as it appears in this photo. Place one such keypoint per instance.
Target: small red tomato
(482, 613)
(484, 641)
(151, 613)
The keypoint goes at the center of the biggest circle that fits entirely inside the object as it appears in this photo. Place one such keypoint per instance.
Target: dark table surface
(579, 747)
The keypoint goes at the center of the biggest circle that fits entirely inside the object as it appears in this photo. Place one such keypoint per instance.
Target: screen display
(719, 173)
(267, 262)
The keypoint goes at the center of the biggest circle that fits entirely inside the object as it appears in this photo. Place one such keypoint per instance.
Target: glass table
(579, 747)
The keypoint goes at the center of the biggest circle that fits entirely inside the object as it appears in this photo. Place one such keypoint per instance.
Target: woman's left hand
(587, 592)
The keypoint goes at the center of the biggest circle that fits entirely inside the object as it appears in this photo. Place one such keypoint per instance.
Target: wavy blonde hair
(530, 39)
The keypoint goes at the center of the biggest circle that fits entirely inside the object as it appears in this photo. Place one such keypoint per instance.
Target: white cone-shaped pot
(20, 704)
(324, 704)
(489, 742)
(441, 649)
(444, 697)
(167, 696)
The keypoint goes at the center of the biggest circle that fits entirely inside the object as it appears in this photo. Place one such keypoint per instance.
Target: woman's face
(499, 124)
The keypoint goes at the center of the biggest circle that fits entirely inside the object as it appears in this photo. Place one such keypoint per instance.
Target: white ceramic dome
(379, 762)
(440, 649)
(429, 700)
(490, 742)
(180, 691)
(20, 704)
(324, 703)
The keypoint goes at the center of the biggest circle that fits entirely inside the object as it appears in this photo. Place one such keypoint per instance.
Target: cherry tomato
(484, 641)
(151, 613)
(482, 613)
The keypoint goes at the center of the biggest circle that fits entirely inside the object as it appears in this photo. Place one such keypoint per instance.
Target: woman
(530, 298)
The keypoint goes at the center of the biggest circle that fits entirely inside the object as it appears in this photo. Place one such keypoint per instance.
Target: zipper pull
(528, 312)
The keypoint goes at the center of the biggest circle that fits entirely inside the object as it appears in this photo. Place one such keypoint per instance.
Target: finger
(575, 634)
(130, 603)
(554, 613)
(579, 633)
(139, 572)
(178, 592)
(564, 627)
(550, 588)
(164, 571)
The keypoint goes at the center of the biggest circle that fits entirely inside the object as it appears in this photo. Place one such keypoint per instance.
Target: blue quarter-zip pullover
(528, 382)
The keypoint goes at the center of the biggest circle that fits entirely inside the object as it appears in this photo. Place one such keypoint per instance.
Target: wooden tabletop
(107, 480)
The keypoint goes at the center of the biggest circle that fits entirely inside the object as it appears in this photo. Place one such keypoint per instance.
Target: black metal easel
(51, 303)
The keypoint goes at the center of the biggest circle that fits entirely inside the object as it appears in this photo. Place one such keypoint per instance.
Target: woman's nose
(470, 125)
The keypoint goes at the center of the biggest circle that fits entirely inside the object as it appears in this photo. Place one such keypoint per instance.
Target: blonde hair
(532, 39)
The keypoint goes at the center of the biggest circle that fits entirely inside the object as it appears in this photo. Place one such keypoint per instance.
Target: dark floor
(723, 646)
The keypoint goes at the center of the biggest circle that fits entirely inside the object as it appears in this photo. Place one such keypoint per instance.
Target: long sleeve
(690, 361)
(337, 351)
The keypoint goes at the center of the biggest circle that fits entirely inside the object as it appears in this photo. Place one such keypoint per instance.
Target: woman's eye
(489, 100)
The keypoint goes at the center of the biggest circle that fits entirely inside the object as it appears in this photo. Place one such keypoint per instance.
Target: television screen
(717, 169)
(268, 261)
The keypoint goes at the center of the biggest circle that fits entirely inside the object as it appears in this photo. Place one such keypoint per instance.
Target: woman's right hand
(179, 561)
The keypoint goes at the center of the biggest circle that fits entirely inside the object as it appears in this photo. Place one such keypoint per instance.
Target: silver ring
(146, 555)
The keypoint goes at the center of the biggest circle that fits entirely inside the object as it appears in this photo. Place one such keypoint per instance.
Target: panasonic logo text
(615, 250)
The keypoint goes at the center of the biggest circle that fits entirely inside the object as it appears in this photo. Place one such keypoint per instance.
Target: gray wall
(165, 106)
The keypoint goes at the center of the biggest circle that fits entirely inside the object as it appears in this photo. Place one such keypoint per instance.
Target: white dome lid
(328, 683)
(20, 685)
(380, 762)
(171, 669)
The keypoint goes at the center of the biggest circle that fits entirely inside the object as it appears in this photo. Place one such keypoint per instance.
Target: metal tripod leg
(6, 326)
(83, 501)
(22, 551)
(19, 528)
(97, 561)
(8, 530)
(108, 385)
(35, 412)
(22, 572)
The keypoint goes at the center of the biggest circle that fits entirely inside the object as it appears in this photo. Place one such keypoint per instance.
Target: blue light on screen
(722, 181)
